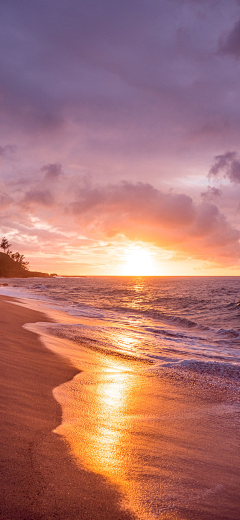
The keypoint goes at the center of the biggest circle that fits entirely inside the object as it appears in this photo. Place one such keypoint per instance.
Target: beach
(90, 433)
(120, 260)
(39, 478)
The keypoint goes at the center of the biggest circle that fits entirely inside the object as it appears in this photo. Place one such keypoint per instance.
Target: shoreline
(39, 478)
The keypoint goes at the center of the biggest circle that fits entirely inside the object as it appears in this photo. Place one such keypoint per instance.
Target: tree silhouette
(19, 259)
(5, 245)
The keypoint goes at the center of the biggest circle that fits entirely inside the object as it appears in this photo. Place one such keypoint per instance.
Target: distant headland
(14, 265)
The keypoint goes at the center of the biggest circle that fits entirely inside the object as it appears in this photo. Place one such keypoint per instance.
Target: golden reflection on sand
(99, 409)
(108, 436)
(101, 420)
(157, 441)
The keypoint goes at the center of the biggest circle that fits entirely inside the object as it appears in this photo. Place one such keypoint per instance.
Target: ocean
(155, 408)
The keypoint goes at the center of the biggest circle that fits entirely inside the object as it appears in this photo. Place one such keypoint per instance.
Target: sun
(138, 262)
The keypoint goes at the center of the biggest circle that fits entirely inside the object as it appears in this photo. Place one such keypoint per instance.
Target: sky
(120, 135)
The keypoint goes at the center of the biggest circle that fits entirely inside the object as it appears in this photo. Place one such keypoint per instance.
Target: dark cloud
(211, 193)
(135, 199)
(38, 197)
(9, 148)
(52, 171)
(128, 69)
(227, 165)
(231, 43)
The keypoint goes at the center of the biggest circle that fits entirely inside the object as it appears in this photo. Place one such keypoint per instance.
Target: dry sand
(38, 478)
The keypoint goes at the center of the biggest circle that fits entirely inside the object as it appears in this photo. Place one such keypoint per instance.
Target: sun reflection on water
(96, 418)
(106, 441)
(102, 407)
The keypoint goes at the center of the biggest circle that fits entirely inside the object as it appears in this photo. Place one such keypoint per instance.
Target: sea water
(138, 341)
(184, 321)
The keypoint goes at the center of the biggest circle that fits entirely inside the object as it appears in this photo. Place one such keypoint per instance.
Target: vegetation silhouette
(14, 265)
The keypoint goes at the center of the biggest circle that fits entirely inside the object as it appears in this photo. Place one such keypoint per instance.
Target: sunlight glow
(138, 262)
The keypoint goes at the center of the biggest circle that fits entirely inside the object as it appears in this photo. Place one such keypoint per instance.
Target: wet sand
(172, 448)
(38, 478)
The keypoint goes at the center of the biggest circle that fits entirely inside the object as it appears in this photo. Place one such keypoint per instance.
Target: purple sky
(120, 128)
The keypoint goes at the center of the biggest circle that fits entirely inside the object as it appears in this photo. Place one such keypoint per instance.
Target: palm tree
(5, 245)
(20, 260)
(15, 256)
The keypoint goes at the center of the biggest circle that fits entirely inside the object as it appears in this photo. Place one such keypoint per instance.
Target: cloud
(211, 193)
(141, 212)
(52, 171)
(119, 72)
(125, 210)
(230, 44)
(128, 198)
(5, 201)
(9, 148)
(132, 90)
(37, 197)
(227, 165)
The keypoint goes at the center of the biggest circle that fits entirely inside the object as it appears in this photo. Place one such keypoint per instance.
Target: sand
(39, 479)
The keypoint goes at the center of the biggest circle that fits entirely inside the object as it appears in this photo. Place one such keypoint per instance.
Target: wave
(38, 286)
(233, 305)
(227, 370)
(150, 323)
(183, 321)
(213, 368)
(95, 344)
